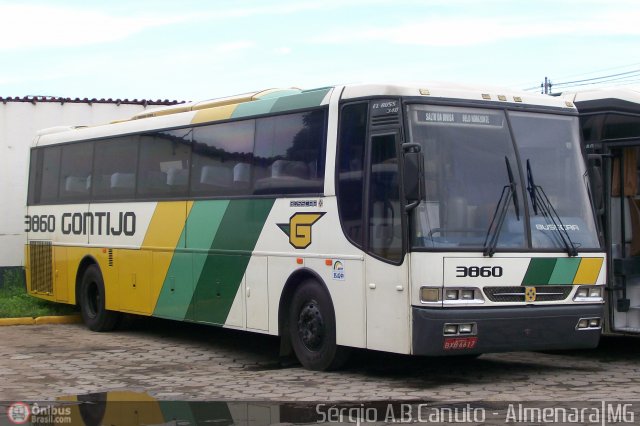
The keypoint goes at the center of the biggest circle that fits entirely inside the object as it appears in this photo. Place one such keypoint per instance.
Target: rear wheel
(312, 328)
(92, 302)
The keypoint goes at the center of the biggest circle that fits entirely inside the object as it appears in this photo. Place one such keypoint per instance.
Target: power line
(547, 85)
(599, 78)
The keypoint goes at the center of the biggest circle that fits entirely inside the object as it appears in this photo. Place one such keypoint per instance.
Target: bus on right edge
(610, 122)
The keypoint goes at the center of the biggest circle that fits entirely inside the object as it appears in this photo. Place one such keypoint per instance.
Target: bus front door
(386, 283)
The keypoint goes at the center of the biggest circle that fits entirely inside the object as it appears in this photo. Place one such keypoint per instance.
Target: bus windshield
(474, 175)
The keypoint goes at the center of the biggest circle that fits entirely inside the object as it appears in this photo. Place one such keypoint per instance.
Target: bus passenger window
(47, 177)
(75, 171)
(289, 154)
(163, 167)
(222, 155)
(114, 172)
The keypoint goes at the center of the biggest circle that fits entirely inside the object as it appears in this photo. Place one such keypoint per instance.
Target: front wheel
(312, 328)
(92, 302)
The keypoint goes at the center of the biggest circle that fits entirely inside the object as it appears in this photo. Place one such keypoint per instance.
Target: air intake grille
(545, 293)
(385, 120)
(41, 267)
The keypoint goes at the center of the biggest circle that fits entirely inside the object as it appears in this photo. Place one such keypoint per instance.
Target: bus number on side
(479, 271)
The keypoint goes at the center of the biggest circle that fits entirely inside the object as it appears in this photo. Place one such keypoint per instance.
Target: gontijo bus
(412, 219)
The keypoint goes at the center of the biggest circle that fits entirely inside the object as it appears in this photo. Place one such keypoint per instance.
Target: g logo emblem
(530, 294)
(299, 228)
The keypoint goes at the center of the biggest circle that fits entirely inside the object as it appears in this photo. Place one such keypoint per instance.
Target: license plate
(457, 343)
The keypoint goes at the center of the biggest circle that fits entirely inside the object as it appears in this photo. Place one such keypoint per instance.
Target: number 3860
(479, 271)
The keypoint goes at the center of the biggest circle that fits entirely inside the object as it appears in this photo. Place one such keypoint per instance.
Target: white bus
(421, 220)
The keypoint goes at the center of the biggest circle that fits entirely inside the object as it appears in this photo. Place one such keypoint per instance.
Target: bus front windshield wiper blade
(540, 202)
(508, 194)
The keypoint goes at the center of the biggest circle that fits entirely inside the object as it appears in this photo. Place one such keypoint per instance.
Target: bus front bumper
(523, 328)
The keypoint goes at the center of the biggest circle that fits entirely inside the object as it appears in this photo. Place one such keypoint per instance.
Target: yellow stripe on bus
(588, 271)
(162, 237)
(213, 114)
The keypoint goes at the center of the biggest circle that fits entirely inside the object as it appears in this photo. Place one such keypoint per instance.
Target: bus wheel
(92, 302)
(312, 328)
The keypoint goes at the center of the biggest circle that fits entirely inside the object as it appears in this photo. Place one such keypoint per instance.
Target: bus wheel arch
(90, 297)
(307, 322)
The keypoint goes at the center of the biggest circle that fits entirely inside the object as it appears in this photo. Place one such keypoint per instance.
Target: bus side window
(353, 132)
(289, 153)
(114, 171)
(163, 166)
(75, 171)
(47, 175)
(222, 155)
(385, 213)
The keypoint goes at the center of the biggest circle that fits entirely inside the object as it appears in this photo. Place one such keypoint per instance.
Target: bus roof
(605, 99)
(281, 100)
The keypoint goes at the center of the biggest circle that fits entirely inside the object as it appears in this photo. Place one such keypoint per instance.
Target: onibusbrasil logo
(19, 413)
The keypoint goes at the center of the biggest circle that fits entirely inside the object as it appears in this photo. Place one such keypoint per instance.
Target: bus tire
(92, 302)
(312, 328)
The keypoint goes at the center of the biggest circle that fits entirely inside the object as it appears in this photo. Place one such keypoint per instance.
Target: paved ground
(188, 362)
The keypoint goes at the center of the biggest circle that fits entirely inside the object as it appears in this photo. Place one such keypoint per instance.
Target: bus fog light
(583, 323)
(429, 294)
(452, 295)
(465, 328)
(467, 294)
(595, 292)
(450, 329)
(594, 323)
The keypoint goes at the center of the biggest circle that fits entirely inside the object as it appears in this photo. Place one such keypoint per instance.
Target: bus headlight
(451, 296)
(589, 293)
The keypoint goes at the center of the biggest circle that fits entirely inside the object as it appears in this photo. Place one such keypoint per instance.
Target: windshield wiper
(497, 220)
(540, 202)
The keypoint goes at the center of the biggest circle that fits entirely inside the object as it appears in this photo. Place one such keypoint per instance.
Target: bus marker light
(428, 294)
(451, 294)
(299, 261)
(454, 343)
(467, 294)
(465, 328)
(328, 262)
(595, 292)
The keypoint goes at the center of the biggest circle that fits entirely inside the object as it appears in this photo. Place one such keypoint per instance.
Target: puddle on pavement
(135, 408)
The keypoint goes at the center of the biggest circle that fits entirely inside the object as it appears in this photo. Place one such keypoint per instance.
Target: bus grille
(545, 293)
(41, 266)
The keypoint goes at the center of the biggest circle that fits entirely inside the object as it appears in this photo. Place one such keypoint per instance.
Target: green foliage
(15, 302)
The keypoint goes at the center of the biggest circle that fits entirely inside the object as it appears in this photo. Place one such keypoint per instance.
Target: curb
(63, 319)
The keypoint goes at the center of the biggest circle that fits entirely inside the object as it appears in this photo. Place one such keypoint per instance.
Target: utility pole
(546, 86)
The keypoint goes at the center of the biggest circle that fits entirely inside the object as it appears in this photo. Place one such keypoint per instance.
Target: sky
(195, 49)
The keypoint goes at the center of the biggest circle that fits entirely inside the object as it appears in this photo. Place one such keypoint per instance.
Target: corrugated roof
(61, 100)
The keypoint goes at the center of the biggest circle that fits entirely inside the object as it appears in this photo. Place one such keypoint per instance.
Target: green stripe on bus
(279, 103)
(304, 100)
(564, 271)
(539, 271)
(201, 228)
(223, 268)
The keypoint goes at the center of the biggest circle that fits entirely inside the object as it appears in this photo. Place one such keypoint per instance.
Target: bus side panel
(307, 230)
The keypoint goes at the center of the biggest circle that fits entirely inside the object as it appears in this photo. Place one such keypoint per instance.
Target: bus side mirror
(595, 163)
(413, 175)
